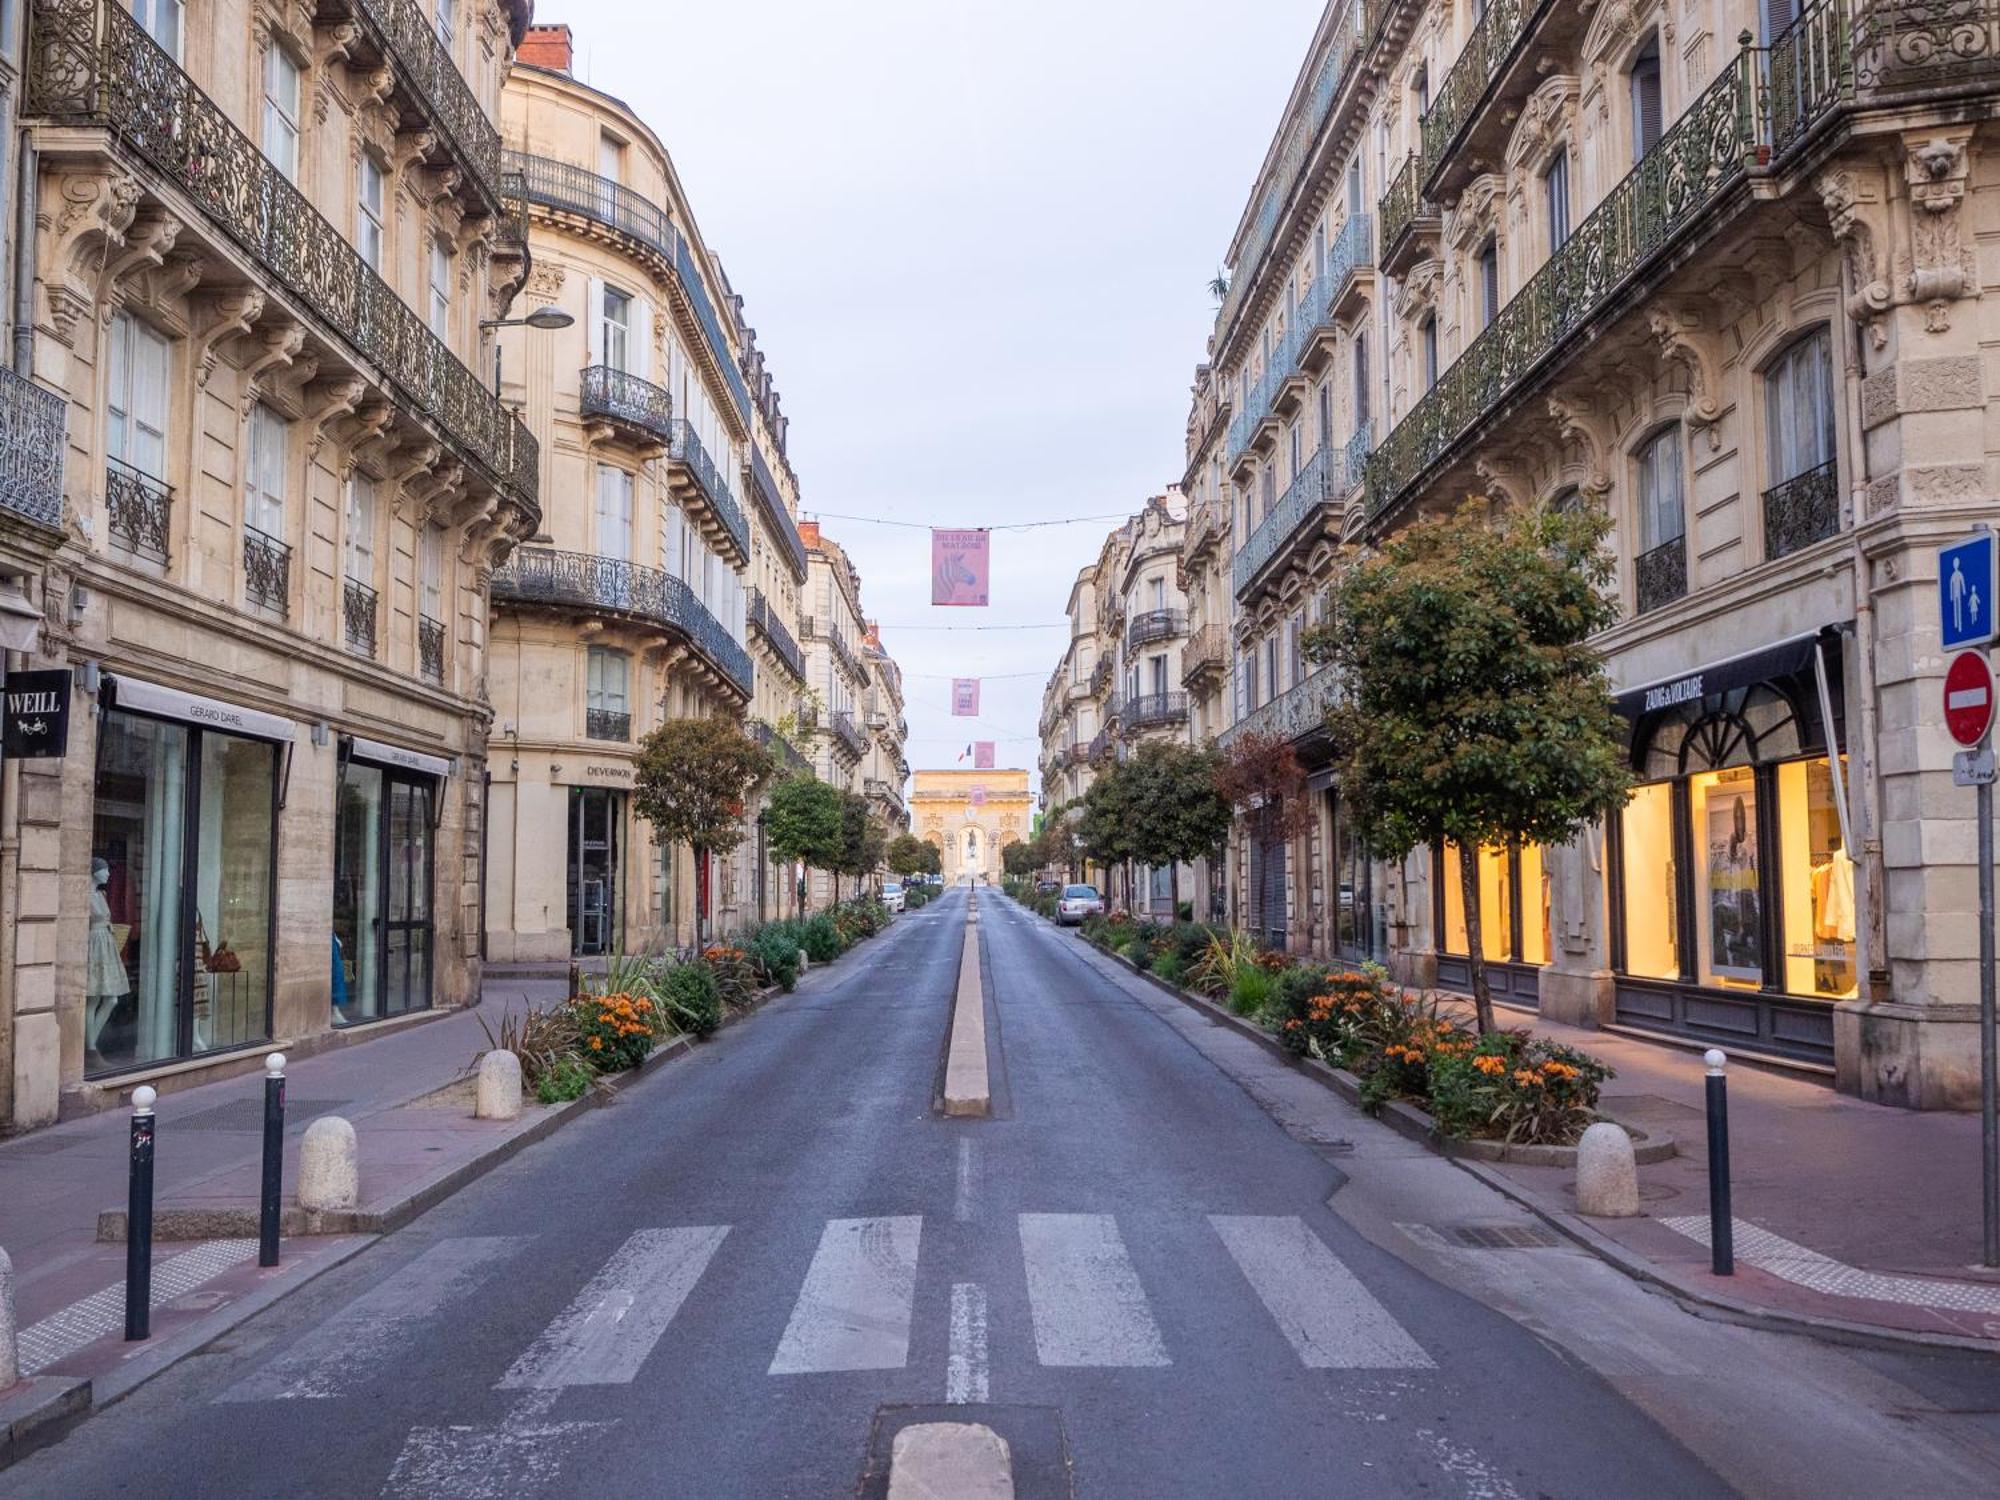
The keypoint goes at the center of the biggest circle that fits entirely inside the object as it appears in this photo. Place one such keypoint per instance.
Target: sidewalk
(1845, 1211)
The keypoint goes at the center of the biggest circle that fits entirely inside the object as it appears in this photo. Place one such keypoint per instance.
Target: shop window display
(1506, 879)
(1652, 883)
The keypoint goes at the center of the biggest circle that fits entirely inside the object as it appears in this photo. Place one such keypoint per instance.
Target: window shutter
(594, 320)
(1645, 104)
(641, 359)
(1778, 16)
(1360, 379)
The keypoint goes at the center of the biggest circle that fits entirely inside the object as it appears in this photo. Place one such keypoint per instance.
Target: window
(446, 21)
(440, 290)
(1513, 904)
(614, 513)
(1420, 87)
(615, 329)
(1157, 670)
(1325, 433)
(1361, 379)
(1778, 16)
(1270, 489)
(162, 20)
(1427, 336)
(1159, 592)
(1354, 188)
(1489, 282)
(368, 211)
(1295, 445)
(1661, 518)
(1645, 76)
(431, 567)
(281, 110)
(1555, 193)
(360, 542)
(1798, 401)
(264, 485)
(136, 401)
(1295, 637)
(607, 704)
(1271, 679)
(611, 158)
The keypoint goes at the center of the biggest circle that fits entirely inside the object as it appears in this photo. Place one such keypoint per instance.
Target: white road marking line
(966, 1379)
(102, 1313)
(962, 1205)
(1089, 1309)
(358, 1344)
(1806, 1267)
(604, 1336)
(853, 1312)
(523, 1458)
(1321, 1307)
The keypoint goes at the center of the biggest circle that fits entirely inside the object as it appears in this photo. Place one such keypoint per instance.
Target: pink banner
(960, 567)
(982, 755)
(979, 796)
(965, 697)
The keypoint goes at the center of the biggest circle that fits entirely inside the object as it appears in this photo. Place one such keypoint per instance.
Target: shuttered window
(1361, 379)
(281, 110)
(614, 513)
(1428, 334)
(1646, 100)
(1555, 193)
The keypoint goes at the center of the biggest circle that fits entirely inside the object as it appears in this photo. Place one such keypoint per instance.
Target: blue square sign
(1967, 582)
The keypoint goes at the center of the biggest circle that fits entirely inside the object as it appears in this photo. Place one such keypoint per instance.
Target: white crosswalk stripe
(363, 1342)
(1088, 1306)
(853, 1312)
(1321, 1307)
(604, 1336)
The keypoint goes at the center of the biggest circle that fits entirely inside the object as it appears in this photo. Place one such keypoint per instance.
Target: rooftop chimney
(809, 533)
(546, 47)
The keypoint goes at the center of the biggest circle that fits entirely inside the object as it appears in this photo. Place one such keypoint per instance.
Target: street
(1168, 1265)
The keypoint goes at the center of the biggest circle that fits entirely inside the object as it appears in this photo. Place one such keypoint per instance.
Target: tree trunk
(1174, 888)
(1482, 994)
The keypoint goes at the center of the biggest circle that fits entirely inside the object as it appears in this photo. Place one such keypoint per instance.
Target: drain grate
(1501, 1237)
(248, 1114)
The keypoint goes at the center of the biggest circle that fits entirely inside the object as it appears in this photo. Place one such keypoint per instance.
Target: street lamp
(544, 319)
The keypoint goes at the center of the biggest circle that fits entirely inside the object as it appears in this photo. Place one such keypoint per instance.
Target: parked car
(1047, 887)
(892, 895)
(1078, 902)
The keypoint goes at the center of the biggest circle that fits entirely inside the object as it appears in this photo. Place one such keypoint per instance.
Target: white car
(1078, 902)
(892, 895)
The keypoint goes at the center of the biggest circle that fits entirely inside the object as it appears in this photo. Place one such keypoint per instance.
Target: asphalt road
(740, 1278)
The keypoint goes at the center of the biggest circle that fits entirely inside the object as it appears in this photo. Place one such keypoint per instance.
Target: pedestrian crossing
(1086, 1303)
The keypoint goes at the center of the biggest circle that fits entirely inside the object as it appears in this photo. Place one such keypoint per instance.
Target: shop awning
(1785, 658)
(397, 758)
(192, 708)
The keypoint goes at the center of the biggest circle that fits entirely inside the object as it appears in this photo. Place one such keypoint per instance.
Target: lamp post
(544, 319)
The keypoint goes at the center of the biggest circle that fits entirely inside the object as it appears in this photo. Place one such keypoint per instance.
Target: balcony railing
(783, 751)
(267, 571)
(411, 39)
(138, 510)
(430, 647)
(886, 791)
(1076, 755)
(1155, 625)
(357, 614)
(1100, 675)
(1501, 29)
(624, 397)
(850, 737)
(1100, 746)
(818, 630)
(783, 527)
(576, 190)
(90, 63)
(1314, 312)
(607, 724)
(1292, 715)
(1660, 575)
(1321, 487)
(685, 448)
(764, 618)
(1207, 650)
(1152, 710)
(580, 580)
(33, 424)
(1398, 208)
(1803, 510)
(1353, 249)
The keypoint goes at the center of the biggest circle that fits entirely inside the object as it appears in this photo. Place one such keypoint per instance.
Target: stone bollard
(1607, 1176)
(329, 1166)
(499, 1087)
(10, 1356)
(805, 962)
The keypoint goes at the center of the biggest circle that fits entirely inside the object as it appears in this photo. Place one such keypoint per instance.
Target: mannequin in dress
(106, 980)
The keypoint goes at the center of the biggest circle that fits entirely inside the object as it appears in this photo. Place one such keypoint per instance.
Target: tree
(861, 837)
(1106, 822)
(1021, 858)
(803, 822)
(693, 780)
(1177, 814)
(909, 855)
(1260, 776)
(1475, 710)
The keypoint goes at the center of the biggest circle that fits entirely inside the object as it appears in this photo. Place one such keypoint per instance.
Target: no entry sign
(1968, 697)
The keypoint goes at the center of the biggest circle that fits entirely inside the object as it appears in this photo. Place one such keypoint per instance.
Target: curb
(39, 1410)
(1407, 1120)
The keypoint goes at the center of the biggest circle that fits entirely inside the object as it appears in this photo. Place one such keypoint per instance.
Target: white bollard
(329, 1166)
(10, 1355)
(805, 962)
(499, 1095)
(1607, 1175)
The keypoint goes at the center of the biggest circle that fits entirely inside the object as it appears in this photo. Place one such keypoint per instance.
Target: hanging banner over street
(960, 567)
(982, 755)
(979, 796)
(965, 697)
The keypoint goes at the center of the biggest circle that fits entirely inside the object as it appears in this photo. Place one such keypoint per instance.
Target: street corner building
(970, 817)
(1714, 272)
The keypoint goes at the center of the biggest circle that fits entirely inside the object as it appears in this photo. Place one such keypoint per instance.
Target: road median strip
(968, 1089)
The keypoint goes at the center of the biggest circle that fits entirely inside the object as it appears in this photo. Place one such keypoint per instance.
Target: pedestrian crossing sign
(1967, 582)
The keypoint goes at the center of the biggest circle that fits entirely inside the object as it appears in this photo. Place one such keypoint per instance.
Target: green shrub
(564, 1081)
(1513, 1087)
(1251, 990)
(1168, 966)
(821, 939)
(735, 975)
(615, 1031)
(774, 949)
(692, 996)
(1140, 952)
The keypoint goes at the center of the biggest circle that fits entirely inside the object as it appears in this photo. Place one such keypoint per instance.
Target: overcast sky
(975, 240)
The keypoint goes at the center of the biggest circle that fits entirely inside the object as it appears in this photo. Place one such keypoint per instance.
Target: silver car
(892, 895)
(1078, 902)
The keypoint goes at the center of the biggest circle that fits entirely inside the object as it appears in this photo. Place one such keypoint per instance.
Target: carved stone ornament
(279, 346)
(1941, 267)
(1548, 121)
(325, 403)
(1578, 423)
(1685, 341)
(1856, 216)
(219, 317)
(85, 228)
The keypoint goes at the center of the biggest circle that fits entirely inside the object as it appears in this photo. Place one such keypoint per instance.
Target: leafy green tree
(803, 822)
(1475, 710)
(907, 854)
(693, 780)
(1021, 858)
(1106, 824)
(1177, 814)
(862, 837)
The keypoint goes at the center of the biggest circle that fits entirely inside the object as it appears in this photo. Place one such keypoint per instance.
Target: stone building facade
(971, 816)
(265, 239)
(1710, 267)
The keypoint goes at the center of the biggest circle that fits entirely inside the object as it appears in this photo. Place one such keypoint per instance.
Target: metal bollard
(1721, 1223)
(274, 1160)
(139, 1220)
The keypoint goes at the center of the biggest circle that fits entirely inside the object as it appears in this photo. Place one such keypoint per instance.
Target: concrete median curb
(968, 1087)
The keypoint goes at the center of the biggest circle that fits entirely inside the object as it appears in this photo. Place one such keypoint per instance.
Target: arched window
(1802, 504)
(1660, 567)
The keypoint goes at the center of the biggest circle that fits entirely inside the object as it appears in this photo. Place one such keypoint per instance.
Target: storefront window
(357, 898)
(232, 916)
(1729, 930)
(1497, 896)
(1534, 905)
(1652, 907)
(1818, 888)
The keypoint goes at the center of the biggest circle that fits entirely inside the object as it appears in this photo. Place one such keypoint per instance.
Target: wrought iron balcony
(1502, 28)
(89, 63)
(1660, 575)
(762, 617)
(1155, 625)
(408, 36)
(1294, 714)
(607, 724)
(1313, 315)
(885, 791)
(1803, 510)
(430, 647)
(1154, 710)
(851, 739)
(33, 427)
(267, 571)
(138, 510)
(624, 398)
(1207, 651)
(783, 752)
(1400, 203)
(1316, 496)
(1099, 747)
(1076, 755)
(575, 190)
(783, 527)
(1352, 250)
(608, 585)
(357, 613)
(686, 454)
(818, 630)
(1100, 675)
